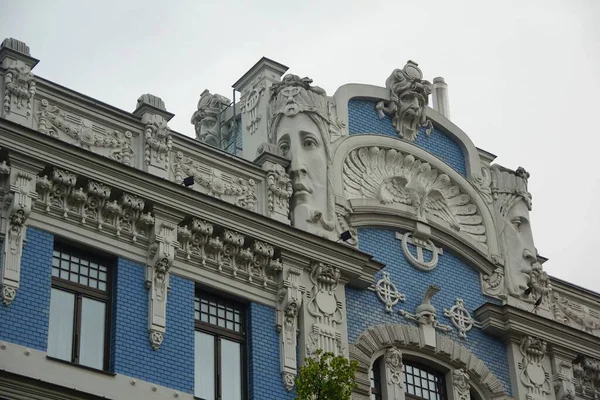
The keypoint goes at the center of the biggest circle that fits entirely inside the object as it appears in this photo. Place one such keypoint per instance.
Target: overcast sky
(523, 75)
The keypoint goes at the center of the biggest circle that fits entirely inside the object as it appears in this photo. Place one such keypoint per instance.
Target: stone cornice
(28, 145)
(511, 323)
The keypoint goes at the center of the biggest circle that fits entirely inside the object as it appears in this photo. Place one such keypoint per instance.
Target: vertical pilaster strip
(161, 254)
(562, 373)
(288, 306)
(19, 197)
(461, 386)
(394, 374)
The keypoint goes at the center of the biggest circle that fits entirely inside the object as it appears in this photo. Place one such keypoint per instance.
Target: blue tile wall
(263, 344)
(172, 365)
(452, 274)
(25, 320)
(363, 119)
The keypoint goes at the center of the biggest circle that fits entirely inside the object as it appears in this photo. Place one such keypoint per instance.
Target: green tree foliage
(326, 377)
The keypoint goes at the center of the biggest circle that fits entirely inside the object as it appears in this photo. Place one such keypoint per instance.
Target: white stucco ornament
(523, 274)
(300, 125)
(409, 94)
(391, 177)
(207, 117)
(388, 293)
(460, 317)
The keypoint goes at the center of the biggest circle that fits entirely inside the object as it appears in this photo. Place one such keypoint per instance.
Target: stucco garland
(379, 337)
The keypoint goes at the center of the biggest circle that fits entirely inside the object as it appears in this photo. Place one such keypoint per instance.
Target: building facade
(138, 262)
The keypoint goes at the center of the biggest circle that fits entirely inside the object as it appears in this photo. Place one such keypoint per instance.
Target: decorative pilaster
(562, 374)
(533, 378)
(460, 385)
(255, 86)
(19, 197)
(279, 184)
(288, 307)
(324, 312)
(394, 377)
(586, 371)
(157, 135)
(161, 253)
(19, 82)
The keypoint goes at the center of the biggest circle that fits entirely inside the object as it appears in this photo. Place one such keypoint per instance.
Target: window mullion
(218, 366)
(77, 328)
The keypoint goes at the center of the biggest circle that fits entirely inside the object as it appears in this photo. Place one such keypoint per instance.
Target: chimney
(440, 97)
(254, 86)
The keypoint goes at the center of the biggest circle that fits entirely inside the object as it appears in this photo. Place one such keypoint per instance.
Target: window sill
(99, 371)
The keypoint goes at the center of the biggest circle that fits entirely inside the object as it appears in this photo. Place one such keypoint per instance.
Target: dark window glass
(219, 348)
(78, 323)
(421, 382)
(376, 393)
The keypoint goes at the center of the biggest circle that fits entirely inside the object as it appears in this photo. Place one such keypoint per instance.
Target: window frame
(442, 385)
(80, 291)
(229, 334)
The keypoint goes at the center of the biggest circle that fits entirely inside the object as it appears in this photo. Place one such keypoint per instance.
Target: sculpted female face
(520, 251)
(302, 143)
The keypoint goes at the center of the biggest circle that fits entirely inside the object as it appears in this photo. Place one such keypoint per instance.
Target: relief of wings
(374, 173)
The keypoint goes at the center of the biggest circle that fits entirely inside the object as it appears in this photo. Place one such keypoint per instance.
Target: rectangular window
(219, 348)
(79, 304)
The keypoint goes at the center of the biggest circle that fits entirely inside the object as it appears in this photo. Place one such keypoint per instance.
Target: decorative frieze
(288, 306)
(325, 310)
(213, 182)
(161, 253)
(533, 375)
(576, 315)
(390, 177)
(90, 202)
(586, 372)
(82, 132)
(19, 197)
(387, 292)
(460, 317)
(229, 251)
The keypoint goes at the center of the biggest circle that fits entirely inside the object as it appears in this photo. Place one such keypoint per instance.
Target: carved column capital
(161, 254)
(18, 200)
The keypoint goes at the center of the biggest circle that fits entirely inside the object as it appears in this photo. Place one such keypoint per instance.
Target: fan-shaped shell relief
(388, 176)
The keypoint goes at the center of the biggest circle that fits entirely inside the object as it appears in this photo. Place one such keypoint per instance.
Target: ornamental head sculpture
(299, 125)
(409, 94)
(512, 203)
(206, 118)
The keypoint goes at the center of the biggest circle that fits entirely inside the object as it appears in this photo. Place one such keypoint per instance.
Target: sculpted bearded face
(301, 142)
(207, 131)
(411, 108)
(521, 254)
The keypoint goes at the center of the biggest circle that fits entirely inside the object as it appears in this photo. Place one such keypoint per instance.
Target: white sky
(523, 75)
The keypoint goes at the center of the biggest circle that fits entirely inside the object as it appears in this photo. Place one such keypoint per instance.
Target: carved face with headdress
(409, 94)
(512, 203)
(206, 118)
(299, 125)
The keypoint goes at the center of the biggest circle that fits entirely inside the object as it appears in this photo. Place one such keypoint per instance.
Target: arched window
(422, 382)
